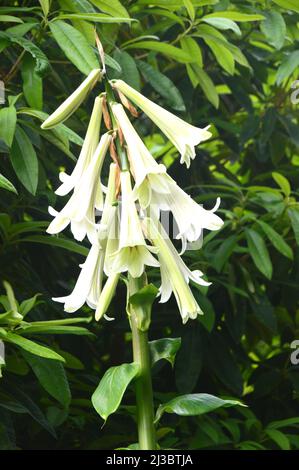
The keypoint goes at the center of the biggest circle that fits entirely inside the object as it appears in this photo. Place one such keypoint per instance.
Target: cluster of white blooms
(129, 239)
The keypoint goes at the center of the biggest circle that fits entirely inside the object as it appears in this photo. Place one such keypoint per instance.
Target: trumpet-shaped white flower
(88, 285)
(175, 275)
(132, 254)
(69, 106)
(154, 186)
(182, 134)
(79, 210)
(190, 216)
(88, 149)
(150, 177)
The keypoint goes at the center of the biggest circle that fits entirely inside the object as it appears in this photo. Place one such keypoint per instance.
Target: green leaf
(192, 48)
(129, 71)
(32, 83)
(8, 120)
(55, 330)
(32, 347)
(289, 422)
(236, 16)
(94, 17)
(189, 359)
(52, 377)
(294, 217)
(206, 84)
(288, 4)
(190, 8)
(108, 395)
(287, 67)
(24, 160)
(163, 85)
(223, 55)
(42, 63)
(112, 7)
(45, 6)
(75, 46)
(276, 239)
(283, 183)
(223, 23)
(110, 62)
(59, 242)
(259, 252)
(165, 348)
(279, 438)
(224, 252)
(274, 28)
(168, 50)
(27, 305)
(10, 19)
(194, 405)
(6, 184)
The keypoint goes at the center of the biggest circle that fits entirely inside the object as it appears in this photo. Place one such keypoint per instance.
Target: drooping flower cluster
(129, 236)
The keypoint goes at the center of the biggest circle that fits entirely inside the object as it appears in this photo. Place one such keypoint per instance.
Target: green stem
(144, 392)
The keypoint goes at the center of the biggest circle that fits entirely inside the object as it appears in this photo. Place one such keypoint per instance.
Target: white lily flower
(183, 135)
(148, 174)
(175, 275)
(88, 285)
(190, 216)
(154, 186)
(88, 149)
(133, 253)
(69, 106)
(79, 210)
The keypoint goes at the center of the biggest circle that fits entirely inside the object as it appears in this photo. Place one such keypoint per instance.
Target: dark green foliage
(230, 63)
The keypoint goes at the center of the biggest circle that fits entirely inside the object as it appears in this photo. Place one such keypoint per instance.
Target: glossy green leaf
(165, 348)
(276, 239)
(223, 23)
(41, 61)
(52, 377)
(32, 83)
(93, 17)
(288, 4)
(112, 7)
(108, 395)
(6, 184)
(194, 405)
(75, 46)
(235, 16)
(259, 252)
(24, 160)
(32, 347)
(166, 49)
(294, 217)
(274, 28)
(163, 85)
(10, 19)
(8, 120)
(282, 182)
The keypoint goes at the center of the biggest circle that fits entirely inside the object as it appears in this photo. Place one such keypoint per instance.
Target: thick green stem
(144, 393)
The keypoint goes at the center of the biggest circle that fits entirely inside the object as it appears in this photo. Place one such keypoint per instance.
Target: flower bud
(106, 296)
(69, 106)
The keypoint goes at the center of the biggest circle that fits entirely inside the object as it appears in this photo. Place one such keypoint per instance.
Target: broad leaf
(259, 252)
(24, 160)
(194, 405)
(8, 120)
(6, 184)
(108, 395)
(165, 348)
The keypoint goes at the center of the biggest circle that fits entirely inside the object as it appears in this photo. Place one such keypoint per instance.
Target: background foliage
(226, 62)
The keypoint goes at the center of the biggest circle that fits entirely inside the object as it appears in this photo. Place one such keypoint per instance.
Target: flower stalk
(143, 382)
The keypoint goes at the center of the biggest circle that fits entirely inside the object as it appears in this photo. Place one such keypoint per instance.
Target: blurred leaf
(288, 4)
(294, 217)
(276, 239)
(274, 28)
(279, 438)
(283, 183)
(32, 347)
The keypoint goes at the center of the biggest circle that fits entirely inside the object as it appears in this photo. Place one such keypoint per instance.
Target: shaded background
(235, 70)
